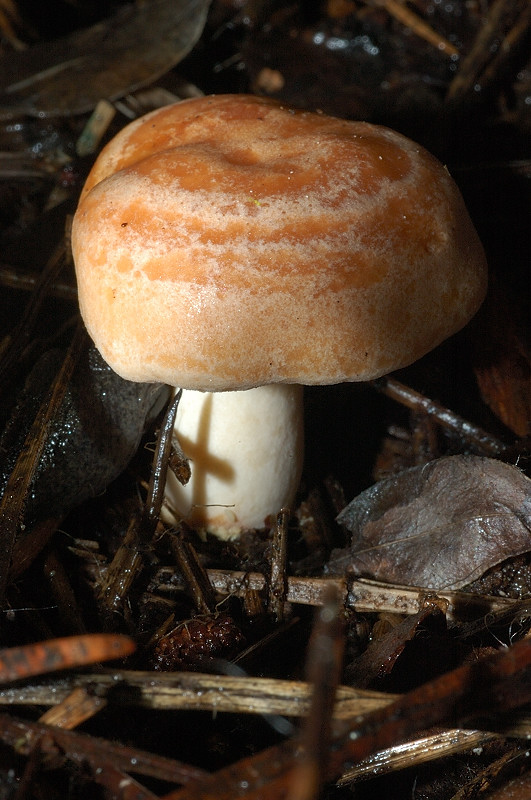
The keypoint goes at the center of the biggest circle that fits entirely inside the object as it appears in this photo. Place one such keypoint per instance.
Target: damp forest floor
(318, 657)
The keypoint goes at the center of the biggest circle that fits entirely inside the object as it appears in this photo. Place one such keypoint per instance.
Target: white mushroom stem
(246, 453)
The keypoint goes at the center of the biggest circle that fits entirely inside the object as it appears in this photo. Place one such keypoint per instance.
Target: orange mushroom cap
(228, 242)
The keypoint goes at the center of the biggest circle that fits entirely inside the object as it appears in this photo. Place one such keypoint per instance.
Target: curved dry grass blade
(193, 691)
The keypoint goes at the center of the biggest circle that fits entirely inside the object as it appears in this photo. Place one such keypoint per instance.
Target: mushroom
(239, 249)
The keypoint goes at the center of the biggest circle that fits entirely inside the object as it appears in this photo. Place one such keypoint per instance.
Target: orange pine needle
(64, 653)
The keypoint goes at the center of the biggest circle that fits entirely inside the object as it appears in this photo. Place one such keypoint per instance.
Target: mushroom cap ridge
(228, 242)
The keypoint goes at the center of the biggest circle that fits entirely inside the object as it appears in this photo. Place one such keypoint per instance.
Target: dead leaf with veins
(440, 525)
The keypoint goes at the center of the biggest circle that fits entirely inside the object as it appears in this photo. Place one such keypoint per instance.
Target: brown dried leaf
(441, 525)
(125, 52)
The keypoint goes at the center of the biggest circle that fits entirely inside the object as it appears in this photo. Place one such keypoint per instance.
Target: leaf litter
(69, 75)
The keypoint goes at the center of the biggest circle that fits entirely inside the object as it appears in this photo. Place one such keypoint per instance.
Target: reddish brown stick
(65, 653)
